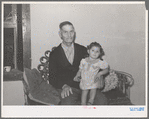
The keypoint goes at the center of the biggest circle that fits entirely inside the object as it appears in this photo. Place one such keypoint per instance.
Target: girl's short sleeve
(103, 64)
(82, 64)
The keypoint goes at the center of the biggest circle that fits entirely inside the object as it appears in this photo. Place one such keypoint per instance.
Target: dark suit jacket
(60, 70)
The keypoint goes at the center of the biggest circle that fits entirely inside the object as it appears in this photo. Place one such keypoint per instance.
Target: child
(88, 69)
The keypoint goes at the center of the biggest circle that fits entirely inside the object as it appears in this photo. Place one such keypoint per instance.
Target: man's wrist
(64, 86)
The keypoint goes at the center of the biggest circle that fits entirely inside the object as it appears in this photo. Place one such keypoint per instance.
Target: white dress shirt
(69, 52)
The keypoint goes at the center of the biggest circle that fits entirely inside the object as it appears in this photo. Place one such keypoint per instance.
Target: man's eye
(64, 31)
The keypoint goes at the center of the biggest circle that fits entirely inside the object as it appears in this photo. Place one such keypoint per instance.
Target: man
(63, 65)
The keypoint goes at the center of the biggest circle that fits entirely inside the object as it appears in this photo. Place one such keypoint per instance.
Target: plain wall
(13, 93)
(119, 28)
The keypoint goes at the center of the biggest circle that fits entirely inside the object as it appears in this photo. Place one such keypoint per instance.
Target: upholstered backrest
(125, 82)
(44, 66)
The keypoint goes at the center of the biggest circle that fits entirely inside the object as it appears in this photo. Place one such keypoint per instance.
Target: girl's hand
(97, 78)
(100, 81)
(77, 78)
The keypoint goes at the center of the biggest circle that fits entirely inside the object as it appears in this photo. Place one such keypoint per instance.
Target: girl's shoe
(89, 103)
(83, 103)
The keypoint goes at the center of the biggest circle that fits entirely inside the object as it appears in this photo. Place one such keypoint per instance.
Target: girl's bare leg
(92, 96)
(84, 97)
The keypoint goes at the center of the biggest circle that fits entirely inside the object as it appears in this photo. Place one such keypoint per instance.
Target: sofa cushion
(39, 90)
(113, 94)
(116, 97)
(111, 81)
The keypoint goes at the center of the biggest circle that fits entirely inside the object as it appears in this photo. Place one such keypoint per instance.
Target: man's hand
(66, 90)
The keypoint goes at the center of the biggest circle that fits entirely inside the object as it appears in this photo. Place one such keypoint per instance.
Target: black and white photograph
(74, 59)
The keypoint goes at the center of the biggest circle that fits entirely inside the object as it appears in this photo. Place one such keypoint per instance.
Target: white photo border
(74, 111)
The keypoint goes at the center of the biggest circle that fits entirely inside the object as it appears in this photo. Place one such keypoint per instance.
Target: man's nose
(69, 34)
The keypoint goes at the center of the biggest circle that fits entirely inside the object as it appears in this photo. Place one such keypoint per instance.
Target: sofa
(116, 89)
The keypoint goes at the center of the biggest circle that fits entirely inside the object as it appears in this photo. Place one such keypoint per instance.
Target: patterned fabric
(88, 72)
(111, 81)
(69, 52)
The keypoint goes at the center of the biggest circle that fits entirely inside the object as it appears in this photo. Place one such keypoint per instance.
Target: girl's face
(94, 52)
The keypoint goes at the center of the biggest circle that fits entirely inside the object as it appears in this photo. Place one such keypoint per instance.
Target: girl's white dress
(88, 71)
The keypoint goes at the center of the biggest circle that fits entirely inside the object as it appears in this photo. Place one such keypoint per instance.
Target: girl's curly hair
(96, 45)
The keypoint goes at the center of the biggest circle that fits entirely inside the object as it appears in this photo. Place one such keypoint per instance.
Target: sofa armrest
(125, 82)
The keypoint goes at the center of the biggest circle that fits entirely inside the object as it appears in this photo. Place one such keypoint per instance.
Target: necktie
(69, 54)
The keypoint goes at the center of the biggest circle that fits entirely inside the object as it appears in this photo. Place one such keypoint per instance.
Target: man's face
(67, 33)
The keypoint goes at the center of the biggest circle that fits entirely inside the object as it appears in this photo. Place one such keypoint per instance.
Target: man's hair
(65, 23)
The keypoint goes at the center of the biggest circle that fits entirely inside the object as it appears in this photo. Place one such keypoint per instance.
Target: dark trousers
(75, 98)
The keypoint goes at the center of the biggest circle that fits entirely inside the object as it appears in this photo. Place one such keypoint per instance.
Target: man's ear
(74, 35)
(88, 51)
(60, 35)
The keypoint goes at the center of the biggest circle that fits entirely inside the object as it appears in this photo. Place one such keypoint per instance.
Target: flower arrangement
(111, 81)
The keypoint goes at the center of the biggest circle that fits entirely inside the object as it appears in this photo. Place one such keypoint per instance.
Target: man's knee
(65, 101)
(70, 100)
